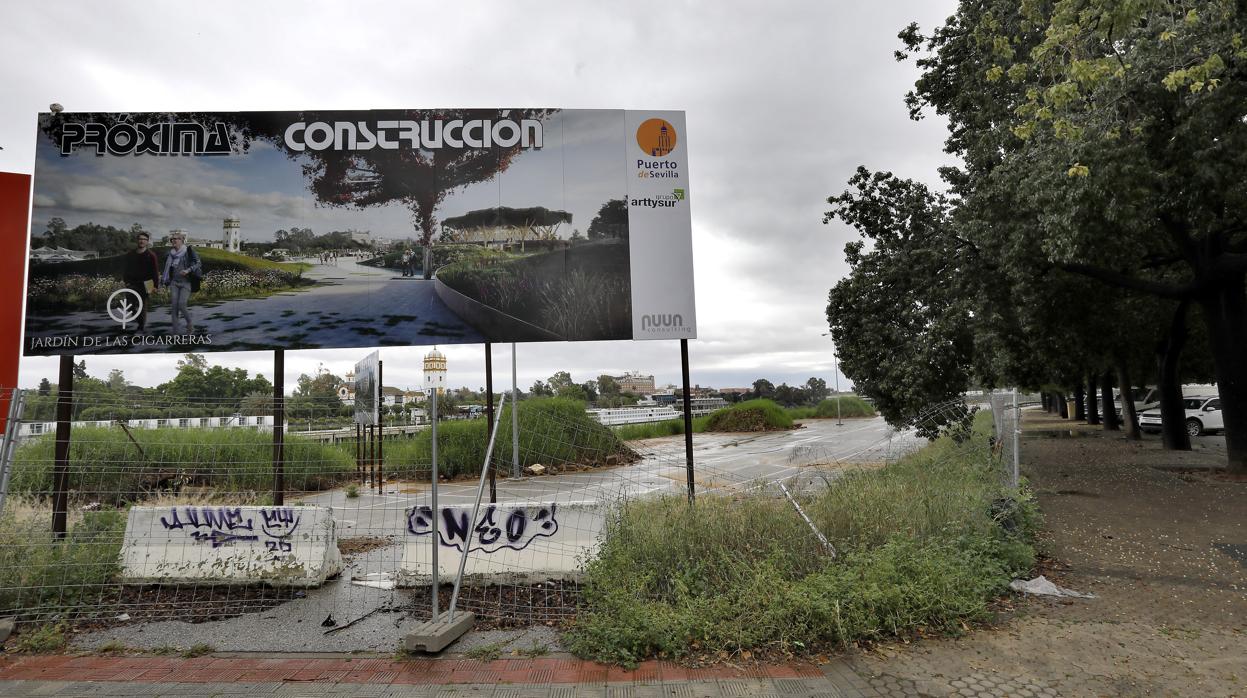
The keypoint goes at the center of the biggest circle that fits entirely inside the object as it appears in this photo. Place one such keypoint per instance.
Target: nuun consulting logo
(662, 322)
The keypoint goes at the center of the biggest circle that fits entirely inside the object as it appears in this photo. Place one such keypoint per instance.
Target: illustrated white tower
(232, 242)
(434, 372)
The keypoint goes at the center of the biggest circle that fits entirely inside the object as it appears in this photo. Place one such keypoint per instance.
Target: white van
(1149, 398)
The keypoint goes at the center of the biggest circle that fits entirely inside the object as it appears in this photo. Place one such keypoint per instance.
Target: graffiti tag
(498, 527)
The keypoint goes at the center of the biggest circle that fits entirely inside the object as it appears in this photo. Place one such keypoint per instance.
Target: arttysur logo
(122, 308)
(656, 137)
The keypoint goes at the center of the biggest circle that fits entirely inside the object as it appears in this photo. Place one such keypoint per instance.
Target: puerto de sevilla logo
(656, 137)
(125, 306)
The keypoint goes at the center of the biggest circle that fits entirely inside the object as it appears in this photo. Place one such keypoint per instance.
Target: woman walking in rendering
(182, 272)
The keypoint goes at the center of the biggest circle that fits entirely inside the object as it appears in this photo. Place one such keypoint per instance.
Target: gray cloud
(783, 101)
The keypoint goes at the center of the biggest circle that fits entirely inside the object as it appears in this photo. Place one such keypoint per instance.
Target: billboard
(219, 231)
(367, 389)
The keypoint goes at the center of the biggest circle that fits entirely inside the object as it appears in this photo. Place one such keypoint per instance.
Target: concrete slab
(435, 636)
(519, 540)
(280, 546)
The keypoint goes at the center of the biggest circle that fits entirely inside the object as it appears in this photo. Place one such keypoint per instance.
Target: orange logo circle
(656, 137)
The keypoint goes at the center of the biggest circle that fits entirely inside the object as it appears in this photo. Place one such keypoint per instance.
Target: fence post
(515, 420)
(60, 472)
(434, 540)
(279, 434)
(1017, 435)
(379, 470)
(688, 422)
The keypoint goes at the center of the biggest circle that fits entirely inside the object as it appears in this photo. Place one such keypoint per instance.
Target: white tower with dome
(434, 372)
(230, 236)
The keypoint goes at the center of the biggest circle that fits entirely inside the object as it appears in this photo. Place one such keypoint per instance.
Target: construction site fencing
(183, 516)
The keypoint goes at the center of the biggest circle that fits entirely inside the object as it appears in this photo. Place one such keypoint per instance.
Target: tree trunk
(1093, 407)
(1061, 407)
(1129, 418)
(1169, 351)
(1080, 405)
(1225, 313)
(1106, 400)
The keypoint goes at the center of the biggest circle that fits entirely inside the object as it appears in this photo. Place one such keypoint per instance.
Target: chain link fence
(171, 520)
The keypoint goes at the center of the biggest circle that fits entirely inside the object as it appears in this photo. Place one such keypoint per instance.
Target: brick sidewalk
(502, 678)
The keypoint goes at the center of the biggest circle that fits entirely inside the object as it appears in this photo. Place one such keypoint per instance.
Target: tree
(117, 380)
(54, 236)
(607, 385)
(611, 221)
(560, 380)
(540, 389)
(816, 390)
(1122, 123)
(80, 369)
(763, 388)
(899, 319)
(45, 387)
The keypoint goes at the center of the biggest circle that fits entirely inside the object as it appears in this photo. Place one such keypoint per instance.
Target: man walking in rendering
(141, 274)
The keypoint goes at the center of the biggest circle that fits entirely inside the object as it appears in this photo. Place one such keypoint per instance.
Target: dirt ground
(1158, 538)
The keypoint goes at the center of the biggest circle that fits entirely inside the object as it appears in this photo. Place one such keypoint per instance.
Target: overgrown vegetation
(850, 406)
(751, 415)
(108, 468)
(42, 640)
(581, 292)
(553, 431)
(39, 572)
(925, 544)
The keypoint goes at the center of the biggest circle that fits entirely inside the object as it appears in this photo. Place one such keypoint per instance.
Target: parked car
(1203, 415)
(1149, 398)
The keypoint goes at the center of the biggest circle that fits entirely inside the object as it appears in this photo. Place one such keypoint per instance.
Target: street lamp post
(835, 362)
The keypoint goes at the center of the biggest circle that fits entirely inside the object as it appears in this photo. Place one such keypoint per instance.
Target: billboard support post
(359, 444)
(279, 435)
(688, 421)
(489, 414)
(515, 420)
(433, 494)
(380, 427)
(60, 472)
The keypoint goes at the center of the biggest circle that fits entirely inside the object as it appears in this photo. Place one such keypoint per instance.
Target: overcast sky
(783, 101)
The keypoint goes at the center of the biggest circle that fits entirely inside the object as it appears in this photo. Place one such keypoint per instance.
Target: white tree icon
(123, 310)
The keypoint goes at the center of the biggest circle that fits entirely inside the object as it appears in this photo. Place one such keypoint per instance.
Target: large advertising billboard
(220, 231)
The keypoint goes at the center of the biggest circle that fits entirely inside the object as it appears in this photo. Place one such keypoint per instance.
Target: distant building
(54, 255)
(230, 239)
(634, 382)
(435, 372)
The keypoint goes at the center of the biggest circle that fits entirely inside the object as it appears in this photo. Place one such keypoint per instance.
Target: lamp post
(835, 362)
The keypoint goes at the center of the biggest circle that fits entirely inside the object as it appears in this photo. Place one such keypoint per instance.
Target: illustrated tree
(485, 224)
(611, 221)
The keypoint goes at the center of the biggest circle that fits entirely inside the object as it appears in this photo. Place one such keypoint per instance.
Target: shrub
(751, 415)
(923, 543)
(106, 467)
(552, 431)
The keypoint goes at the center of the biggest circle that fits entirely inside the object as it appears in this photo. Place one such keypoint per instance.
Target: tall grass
(39, 574)
(750, 415)
(553, 431)
(850, 406)
(107, 467)
(926, 542)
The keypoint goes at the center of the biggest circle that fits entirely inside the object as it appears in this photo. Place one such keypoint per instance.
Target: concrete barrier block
(280, 546)
(522, 540)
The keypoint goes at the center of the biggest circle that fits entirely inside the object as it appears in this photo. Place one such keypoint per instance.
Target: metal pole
(515, 420)
(381, 429)
(436, 512)
(835, 362)
(359, 453)
(10, 442)
(279, 437)
(489, 414)
(688, 422)
(476, 511)
(1017, 435)
(60, 472)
